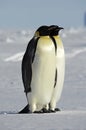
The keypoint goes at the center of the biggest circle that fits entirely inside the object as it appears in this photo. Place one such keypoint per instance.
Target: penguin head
(54, 30)
(42, 31)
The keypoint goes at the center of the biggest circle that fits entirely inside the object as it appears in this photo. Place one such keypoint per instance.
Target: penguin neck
(41, 36)
(57, 36)
(58, 40)
(45, 36)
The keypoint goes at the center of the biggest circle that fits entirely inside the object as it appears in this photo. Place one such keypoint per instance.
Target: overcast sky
(25, 14)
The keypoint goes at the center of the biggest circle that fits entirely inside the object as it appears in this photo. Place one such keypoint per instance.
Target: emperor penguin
(38, 70)
(43, 68)
(60, 66)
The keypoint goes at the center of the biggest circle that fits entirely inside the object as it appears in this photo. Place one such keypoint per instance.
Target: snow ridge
(18, 56)
(75, 53)
(15, 57)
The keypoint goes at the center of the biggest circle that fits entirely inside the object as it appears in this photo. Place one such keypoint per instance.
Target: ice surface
(12, 97)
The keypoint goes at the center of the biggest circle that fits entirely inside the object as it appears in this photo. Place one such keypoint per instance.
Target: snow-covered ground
(12, 98)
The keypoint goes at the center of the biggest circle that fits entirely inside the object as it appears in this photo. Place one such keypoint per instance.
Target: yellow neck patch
(37, 34)
(58, 40)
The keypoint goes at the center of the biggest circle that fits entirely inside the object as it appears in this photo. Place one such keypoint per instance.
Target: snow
(60, 121)
(15, 58)
(75, 52)
(12, 97)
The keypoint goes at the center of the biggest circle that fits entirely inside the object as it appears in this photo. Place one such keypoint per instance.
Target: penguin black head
(42, 31)
(54, 30)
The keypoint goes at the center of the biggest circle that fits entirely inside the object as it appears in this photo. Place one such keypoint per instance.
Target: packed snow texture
(13, 44)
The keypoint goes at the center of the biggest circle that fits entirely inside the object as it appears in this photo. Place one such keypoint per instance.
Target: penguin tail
(24, 110)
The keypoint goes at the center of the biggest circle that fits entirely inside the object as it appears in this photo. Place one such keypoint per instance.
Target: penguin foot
(38, 112)
(45, 110)
(53, 111)
(50, 111)
(26, 110)
(57, 109)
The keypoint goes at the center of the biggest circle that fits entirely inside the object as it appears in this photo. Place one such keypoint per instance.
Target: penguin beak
(53, 27)
(60, 28)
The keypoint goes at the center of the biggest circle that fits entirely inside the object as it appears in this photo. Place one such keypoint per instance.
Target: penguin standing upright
(38, 70)
(60, 65)
(43, 70)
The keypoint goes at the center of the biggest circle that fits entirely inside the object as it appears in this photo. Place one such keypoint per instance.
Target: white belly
(43, 73)
(60, 65)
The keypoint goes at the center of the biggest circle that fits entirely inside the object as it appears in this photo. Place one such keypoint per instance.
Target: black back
(27, 64)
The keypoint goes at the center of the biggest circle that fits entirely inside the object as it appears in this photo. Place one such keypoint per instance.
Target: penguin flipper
(27, 64)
